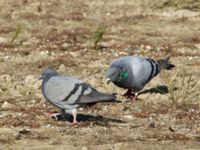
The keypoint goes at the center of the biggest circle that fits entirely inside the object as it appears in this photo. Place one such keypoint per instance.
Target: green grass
(98, 36)
(16, 33)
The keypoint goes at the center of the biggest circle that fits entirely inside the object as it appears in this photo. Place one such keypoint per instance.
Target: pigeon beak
(108, 80)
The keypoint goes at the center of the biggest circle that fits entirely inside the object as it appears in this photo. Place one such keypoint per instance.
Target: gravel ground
(81, 38)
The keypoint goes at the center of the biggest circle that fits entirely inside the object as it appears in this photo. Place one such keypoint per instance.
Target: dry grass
(183, 89)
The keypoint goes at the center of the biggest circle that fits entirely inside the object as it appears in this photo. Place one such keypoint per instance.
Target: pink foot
(131, 95)
(127, 94)
(75, 122)
(53, 115)
(134, 98)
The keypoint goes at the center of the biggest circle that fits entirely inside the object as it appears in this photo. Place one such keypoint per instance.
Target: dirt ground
(80, 38)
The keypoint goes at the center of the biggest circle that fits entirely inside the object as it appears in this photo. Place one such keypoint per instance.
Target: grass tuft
(98, 36)
(16, 33)
(182, 87)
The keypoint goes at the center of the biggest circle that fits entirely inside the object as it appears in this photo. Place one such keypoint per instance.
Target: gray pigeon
(134, 72)
(69, 93)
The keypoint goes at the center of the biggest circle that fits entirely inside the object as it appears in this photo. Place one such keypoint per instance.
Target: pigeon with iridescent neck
(69, 93)
(134, 72)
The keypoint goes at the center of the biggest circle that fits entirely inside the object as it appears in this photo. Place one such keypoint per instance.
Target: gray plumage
(69, 93)
(134, 72)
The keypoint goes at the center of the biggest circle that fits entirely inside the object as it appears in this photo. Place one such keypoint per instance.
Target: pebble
(6, 57)
(3, 40)
(7, 105)
(148, 47)
(84, 148)
(130, 117)
(44, 53)
(5, 77)
(65, 45)
(123, 53)
(62, 68)
(48, 126)
(74, 54)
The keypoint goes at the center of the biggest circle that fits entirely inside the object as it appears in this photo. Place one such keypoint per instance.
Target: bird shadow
(159, 89)
(99, 120)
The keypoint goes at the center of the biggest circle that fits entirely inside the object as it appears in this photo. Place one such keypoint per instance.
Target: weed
(98, 36)
(16, 33)
(39, 7)
(182, 88)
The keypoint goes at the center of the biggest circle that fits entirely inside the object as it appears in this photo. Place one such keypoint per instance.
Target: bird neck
(48, 76)
(123, 74)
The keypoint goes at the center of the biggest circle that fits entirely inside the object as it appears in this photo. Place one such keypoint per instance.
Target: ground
(81, 38)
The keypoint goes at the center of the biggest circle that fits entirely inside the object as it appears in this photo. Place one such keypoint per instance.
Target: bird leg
(74, 114)
(132, 95)
(128, 93)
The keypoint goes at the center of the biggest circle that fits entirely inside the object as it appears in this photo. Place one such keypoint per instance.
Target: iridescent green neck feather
(123, 75)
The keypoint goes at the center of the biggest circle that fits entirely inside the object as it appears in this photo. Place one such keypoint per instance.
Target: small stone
(130, 117)
(62, 68)
(6, 57)
(152, 125)
(44, 53)
(74, 54)
(148, 47)
(65, 45)
(108, 14)
(48, 126)
(3, 40)
(190, 58)
(84, 148)
(116, 54)
(7, 105)
(5, 77)
(123, 53)
(81, 109)
(171, 129)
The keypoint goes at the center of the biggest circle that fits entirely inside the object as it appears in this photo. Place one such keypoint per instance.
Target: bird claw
(134, 98)
(131, 95)
(75, 122)
(55, 116)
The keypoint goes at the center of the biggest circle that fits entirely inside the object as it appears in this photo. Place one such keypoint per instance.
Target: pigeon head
(47, 73)
(117, 75)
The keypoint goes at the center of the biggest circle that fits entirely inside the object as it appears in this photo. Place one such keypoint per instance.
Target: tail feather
(164, 64)
(95, 97)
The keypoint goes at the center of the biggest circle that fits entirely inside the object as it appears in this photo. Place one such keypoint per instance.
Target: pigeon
(69, 93)
(134, 72)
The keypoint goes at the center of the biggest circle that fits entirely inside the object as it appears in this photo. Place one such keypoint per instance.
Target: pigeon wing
(143, 69)
(62, 90)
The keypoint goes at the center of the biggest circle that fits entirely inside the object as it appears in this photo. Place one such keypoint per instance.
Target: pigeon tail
(103, 97)
(95, 97)
(164, 63)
